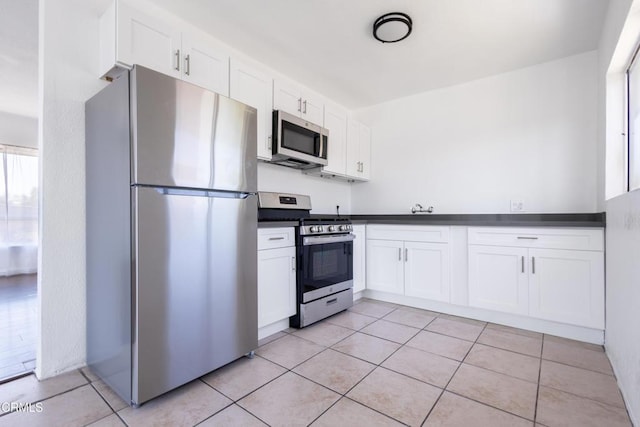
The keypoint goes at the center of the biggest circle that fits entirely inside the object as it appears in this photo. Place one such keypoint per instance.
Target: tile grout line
(452, 376)
(344, 395)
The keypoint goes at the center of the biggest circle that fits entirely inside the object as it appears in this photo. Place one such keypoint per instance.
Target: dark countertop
(502, 220)
(489, 220)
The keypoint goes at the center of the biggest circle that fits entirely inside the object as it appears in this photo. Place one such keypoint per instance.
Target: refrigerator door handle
(198, 192)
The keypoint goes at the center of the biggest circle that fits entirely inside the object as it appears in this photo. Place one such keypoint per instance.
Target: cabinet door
(353, 148)
(205, 64)
(426, 271)
(149, 42)
(276, 285)
(385, 266)
(364, 152)
(313, 108)
(335, 120)
(359, 257)
(567, 286)
(498, 278)
(254, 88)
(287, 97)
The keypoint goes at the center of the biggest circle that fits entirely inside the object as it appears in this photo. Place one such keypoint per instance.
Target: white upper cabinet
(204, 63)
(358, 150)
(254, 87)
(335, 120)
(129, 36)
(294, 99)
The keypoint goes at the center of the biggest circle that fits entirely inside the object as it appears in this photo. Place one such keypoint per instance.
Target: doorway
(18, 259)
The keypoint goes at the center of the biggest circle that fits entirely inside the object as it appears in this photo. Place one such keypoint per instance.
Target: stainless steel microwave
(298, 143)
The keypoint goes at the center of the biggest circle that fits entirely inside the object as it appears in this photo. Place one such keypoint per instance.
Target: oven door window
(326, 265)
(300, 139)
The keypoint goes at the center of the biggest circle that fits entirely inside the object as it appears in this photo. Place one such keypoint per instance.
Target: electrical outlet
(517, 205)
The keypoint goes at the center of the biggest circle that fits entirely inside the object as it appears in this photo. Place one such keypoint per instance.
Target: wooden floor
(17, 324)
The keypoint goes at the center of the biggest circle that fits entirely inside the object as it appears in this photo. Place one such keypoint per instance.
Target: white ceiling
(327, 44)
(19, 57)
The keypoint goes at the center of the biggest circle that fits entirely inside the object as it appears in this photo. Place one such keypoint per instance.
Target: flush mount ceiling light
(392, 27)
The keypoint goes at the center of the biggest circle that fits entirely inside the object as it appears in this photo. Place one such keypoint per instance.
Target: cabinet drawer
(269, 238)
(552, 238)
(409, 233)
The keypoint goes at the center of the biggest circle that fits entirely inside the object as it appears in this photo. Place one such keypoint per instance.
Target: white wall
(471, 148)
(18, 130)
(325, 193)
(68, 70)
(622, 340)
(617, 43)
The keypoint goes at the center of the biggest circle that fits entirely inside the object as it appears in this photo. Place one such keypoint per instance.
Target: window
(18, 210)
(633, 124)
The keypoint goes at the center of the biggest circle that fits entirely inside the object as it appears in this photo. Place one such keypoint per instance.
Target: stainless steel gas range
(324, 256)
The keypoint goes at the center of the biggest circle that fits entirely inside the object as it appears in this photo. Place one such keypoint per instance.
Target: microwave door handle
(322, 146)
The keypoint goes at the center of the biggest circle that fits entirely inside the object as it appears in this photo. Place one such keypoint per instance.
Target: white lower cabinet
(426, 271)
(385, 268)
(411, 268)
(519, 275)
(497, 278)
(567, 286)
(276, 277)
(359, 257)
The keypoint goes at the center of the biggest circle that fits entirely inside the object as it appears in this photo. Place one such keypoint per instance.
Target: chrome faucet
(419, 209)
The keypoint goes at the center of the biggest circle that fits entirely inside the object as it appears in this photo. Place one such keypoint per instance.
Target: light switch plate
(517, 205)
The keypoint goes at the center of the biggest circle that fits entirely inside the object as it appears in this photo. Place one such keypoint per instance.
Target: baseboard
(579, 333)
(273, 328)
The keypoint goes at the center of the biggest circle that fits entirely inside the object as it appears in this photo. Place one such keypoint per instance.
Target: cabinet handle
(276, 238)
(293, 263)
(406, 254)
(178, 60)
(299, 104)
(527, 238)
(187, 62)
(522, 264)
(533, 265)
(269, 143)
(304, 110)
(399, 254)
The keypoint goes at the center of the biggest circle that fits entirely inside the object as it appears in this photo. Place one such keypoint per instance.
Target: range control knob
(332, 228)
(342, 228)
(320, 229)
(349, 227)
(313, 229)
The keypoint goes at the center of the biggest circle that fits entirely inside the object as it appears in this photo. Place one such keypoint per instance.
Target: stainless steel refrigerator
(171, 233)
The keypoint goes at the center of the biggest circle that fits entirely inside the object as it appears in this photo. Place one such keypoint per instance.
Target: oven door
(326, 266)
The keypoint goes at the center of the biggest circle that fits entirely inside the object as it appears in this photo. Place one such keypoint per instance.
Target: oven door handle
(320, 240)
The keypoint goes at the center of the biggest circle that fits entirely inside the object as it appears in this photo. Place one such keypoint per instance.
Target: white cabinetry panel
(253, 87)
(566, 286)
(385, 266)
(498, 279)
(427, 270)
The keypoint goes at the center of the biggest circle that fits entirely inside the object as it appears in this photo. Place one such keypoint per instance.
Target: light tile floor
(377, 364)
(17, 325)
